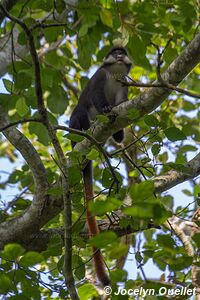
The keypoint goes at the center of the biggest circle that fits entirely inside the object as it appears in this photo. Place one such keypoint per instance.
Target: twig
(40, 24)
(159, 85)
(129, 145)
(12, 202)
(134, 164)
(182, 210)
(26, 120)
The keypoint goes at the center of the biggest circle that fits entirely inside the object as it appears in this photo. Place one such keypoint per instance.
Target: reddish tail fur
(92, 225)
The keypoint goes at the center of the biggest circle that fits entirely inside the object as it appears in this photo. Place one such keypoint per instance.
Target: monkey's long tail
(92, 225)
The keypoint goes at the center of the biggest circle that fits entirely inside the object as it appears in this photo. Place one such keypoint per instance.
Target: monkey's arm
(98, 98)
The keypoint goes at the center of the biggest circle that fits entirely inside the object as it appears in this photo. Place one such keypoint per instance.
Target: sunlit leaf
(103, 239)
(106, 17)
(12, 251)
(30, 259)
(87, 291)
(21, 107)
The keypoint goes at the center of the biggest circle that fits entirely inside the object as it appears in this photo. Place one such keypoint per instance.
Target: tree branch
(173, 178)
(25, 120)
(162, 84)
(30, 155)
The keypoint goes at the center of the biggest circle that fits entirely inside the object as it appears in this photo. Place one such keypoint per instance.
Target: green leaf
(22, 80)
(83, 30)
(30, 259)
(155, 149)
(165, 240)
(187, 193)
(51, 34)
(151, 120)
(188, 106)
(196, 190)
(119, 251)
(101, 207)
(40, 131)
(12, 251)
(174, 134)
(58, 100)
(187, 148)
(180, 167)
(93, 154)
(85, 47)
(181, 263)
(74, 175)
(142, 191)
(147, 210)
(60, 6)
(30, 290)
(21, 107)
(138, 257)
(118, 275)
(103, 119)
(137, 49)
(140, 211)
(55, 191)
(8, 85)
(87, 291)
(196, 238)
(22, 39)
(106, 17)
(107, 178)
(60, 264)
(54, 247)
(78, 266)
(16, 176)
(133, 113)
(103, 239)
(74, 137)
(5, 283)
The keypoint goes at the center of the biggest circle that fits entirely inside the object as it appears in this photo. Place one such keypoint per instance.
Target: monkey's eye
(118, 54)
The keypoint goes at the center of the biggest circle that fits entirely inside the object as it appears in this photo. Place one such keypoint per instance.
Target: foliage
(170, 137)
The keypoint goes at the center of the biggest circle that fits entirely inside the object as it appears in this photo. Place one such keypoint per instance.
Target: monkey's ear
(109, 59)
(127, 60)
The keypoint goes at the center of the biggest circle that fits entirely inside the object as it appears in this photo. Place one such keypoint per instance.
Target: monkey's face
(119, 55)
(117, 61)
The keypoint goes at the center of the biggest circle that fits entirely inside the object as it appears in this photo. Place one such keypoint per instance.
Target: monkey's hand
(106, 109)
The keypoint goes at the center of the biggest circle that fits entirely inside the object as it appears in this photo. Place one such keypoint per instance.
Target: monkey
(102, 92)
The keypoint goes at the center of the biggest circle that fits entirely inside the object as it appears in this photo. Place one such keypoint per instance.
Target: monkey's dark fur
(102, 92)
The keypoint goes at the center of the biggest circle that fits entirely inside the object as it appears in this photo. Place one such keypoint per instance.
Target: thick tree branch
(30, 155)
(39, 240)
(31, 218)
(182, 230)
(172, 178)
